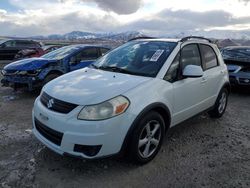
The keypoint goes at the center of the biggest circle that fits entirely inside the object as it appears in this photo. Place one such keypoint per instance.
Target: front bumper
(239, 79)
(107, 135)
(15, 81)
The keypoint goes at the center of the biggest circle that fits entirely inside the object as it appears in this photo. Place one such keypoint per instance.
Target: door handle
(203, 80)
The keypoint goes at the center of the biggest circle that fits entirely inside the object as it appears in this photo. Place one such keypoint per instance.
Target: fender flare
(158, 107)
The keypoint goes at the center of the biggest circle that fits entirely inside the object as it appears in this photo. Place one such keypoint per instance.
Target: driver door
(83, 58)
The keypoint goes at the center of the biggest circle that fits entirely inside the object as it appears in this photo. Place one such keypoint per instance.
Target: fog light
(87, 150)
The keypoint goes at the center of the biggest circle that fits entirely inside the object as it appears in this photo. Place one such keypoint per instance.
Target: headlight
(3, 72)
(105, 110)
(22, 72)
(29, 72)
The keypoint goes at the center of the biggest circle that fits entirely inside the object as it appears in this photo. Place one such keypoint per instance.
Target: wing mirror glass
(192, 71)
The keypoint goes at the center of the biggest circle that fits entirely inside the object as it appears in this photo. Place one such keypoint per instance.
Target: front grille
(56, 104)
(50, 134)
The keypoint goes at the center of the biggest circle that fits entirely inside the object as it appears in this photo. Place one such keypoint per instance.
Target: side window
(89, 54)
(11, 43)
(173, 71)
(190, 55)
(86, 54)
(103, 51)
(21, 44)
(210, 58)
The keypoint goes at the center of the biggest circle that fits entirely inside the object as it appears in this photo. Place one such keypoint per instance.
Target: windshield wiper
(94, 66)
(121, 70)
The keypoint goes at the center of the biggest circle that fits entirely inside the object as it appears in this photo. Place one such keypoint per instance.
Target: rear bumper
(239, 80)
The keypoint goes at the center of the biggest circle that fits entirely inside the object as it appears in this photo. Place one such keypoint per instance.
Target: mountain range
(78, 35)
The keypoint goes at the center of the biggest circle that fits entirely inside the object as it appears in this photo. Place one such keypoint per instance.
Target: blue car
(237, 59)
(36, 72)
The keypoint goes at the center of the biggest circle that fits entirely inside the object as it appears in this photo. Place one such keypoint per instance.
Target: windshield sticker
(157, 55)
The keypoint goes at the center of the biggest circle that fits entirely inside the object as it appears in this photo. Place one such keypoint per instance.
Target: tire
(147, 138)
(220, 104)
(50, 77)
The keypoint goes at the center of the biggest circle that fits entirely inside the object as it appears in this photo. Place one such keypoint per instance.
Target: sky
(152, 17)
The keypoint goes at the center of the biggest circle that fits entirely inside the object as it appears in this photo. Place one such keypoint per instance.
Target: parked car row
(11, 49)
(36, 72)
(237, 59)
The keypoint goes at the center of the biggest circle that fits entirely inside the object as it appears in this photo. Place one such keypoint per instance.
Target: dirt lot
(201, 152)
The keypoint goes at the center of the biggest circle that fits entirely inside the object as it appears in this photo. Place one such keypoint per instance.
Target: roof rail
(145, 37)
(195, 37)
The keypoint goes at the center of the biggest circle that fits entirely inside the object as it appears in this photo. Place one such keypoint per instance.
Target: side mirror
(192, 71)
(72, 61)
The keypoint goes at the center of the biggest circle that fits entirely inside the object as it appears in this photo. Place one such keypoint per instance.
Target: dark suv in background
(237, 59)
(13, 49)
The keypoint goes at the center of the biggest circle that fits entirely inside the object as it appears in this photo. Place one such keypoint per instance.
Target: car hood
(91, 86)
(28, 64)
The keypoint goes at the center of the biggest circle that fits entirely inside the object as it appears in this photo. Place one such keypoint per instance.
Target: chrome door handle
(204, 80)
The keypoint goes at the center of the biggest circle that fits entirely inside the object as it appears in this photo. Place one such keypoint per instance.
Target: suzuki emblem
(50, 103)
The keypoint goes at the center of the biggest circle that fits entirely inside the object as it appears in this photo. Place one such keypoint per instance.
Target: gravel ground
(201, 152)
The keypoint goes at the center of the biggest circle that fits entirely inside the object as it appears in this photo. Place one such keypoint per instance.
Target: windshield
(239, 53)
(60, 53)
(143, 58)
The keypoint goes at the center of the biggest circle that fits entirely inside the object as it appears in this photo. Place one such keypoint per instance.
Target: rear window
(236, 53)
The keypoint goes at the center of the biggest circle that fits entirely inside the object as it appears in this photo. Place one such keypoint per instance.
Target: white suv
(129, 98)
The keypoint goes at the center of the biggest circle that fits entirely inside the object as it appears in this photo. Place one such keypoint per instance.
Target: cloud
(245, 1)
(117, 6)
(68, 16)
(183, 20)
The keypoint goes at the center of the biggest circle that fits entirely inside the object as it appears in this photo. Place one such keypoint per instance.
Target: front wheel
(50, 77)
(220, 104)
(147, 138)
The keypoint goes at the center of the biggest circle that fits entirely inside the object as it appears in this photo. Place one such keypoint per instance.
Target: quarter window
(210, 59)
(173, 71)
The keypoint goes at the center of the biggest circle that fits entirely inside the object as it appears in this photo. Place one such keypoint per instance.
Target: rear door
(83, 58)
(212, 71)
(189, 93)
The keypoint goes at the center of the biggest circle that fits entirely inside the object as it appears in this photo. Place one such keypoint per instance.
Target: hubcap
(149, 139)
(222, 102)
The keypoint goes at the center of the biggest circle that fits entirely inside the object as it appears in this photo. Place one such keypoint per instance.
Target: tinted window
(86, 54)
(137, 57)
(104, 51)
(236, 53)
(10, 43)
(21, 44)
(61, 52)
(172, 74)
(190, 55)
(89, 54)
(210, 59)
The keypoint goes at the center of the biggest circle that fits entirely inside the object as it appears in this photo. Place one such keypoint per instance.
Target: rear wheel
(147, 138)
(220, 104)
